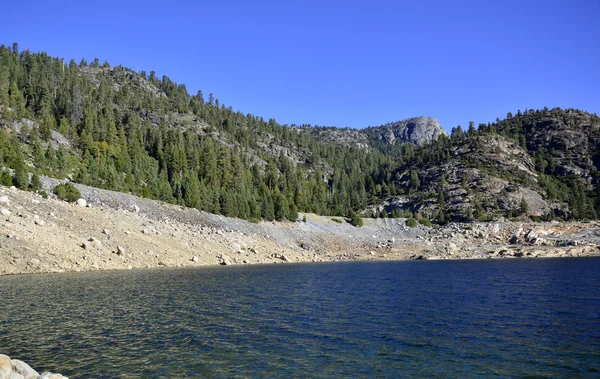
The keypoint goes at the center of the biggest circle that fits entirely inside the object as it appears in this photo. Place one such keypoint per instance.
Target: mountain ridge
(137, 133)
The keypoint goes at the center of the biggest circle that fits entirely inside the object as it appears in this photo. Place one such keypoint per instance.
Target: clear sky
(339, 63)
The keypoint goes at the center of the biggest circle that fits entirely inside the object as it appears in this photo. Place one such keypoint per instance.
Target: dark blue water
(468, 319)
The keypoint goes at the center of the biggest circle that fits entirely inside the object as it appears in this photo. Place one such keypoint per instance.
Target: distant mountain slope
(114, 128)
(135, 132)
(538, 164)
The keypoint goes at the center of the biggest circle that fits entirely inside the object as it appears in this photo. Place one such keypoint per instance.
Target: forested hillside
(114, 128)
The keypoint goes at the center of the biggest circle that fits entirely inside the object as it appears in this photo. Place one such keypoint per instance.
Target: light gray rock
(39, 221)
(5, 212)
(195, 258)
(95, 242)
(224, 260)
(120, 250)
(33, 262)
(24, 369)
(6, 367)
(135, 208)
(81, 203)
(51, 375)
(4, 200)
(418, 130)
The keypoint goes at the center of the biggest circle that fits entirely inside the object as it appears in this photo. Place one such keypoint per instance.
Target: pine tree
(267, 208)
(17, 101)
(5, 178)
(20, 177)
(191, 190)
(36, 183)
(524, 206)
(293, 214)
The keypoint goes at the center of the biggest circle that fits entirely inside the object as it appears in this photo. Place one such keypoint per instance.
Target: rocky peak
(417, 130)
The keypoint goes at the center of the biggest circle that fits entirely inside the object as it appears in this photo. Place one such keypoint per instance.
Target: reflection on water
(367, 320)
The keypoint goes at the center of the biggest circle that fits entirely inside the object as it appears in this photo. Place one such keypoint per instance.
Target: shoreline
(114, 230)
(15, 368)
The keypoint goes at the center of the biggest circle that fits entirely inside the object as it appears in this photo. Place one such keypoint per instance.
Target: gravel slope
(122, 231)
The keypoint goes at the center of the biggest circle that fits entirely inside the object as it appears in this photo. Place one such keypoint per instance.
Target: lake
(413, 319)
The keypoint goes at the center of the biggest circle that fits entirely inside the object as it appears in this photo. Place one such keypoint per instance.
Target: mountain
(114, 128)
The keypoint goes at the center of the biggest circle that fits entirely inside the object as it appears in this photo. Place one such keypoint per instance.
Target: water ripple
(471, 319)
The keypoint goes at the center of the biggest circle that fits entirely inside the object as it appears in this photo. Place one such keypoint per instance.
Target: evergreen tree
(191, 190)
(36, 183)
(20, 177)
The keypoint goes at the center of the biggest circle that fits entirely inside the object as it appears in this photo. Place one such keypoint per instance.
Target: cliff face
(417, 130)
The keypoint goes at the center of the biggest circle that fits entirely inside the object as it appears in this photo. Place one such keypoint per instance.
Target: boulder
(224, 260)
(81, 203)
(24, 369)
(51, 375)
(4, 200)
(5, 212)
(33, 262)
(6, 366)
(135, 208)
(95, 242)
(39, 221)
(417, 257)
(120, 250)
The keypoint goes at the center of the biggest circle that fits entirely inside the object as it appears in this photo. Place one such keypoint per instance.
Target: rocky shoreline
(17, 369)
(108, 230)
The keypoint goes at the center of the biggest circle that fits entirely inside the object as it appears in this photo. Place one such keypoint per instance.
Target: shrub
(424, 221)
(356, 220)
(336, 220)
(412, 222)
(67, 191)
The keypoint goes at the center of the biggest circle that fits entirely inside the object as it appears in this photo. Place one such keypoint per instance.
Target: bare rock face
(417, 130)
(488, 177)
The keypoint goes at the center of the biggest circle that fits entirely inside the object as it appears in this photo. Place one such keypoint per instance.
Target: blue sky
(339, 63)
